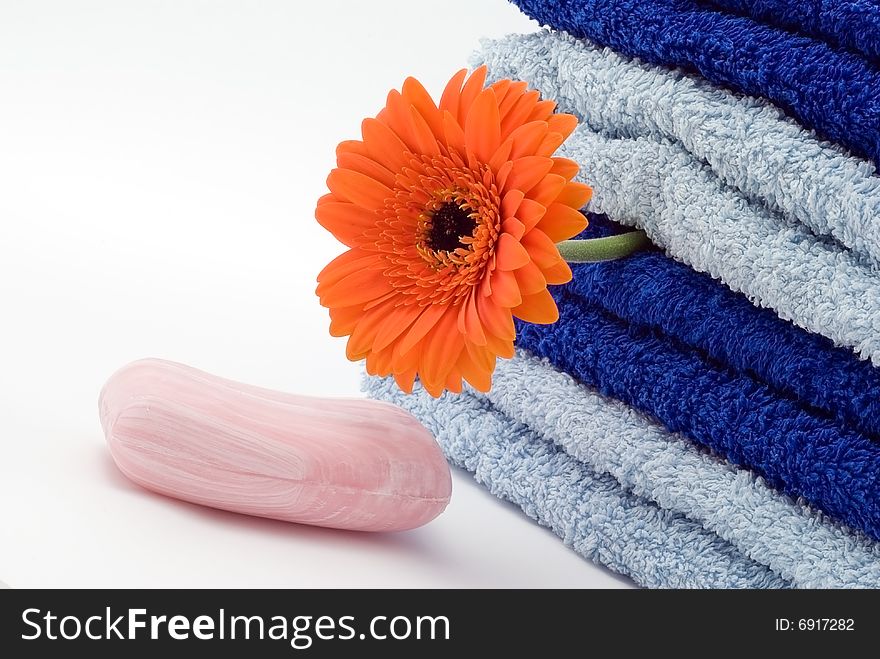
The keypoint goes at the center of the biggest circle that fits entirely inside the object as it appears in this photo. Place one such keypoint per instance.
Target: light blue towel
(798, 543)
(684, 208)
(749, 143)
(650, 172)
(591, 512)
(537, 427)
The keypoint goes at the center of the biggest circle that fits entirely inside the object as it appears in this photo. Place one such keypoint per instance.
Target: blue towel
(590, 511)
(653, 290)
(777, 263)
(833, 91)
(798, 450)
(852, 24)
(748, 143)
(793, 540)
(723, 184)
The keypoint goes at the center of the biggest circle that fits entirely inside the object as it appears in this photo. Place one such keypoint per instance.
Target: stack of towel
(706, 413)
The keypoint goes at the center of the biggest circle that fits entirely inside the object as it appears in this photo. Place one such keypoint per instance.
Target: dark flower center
(449, 224)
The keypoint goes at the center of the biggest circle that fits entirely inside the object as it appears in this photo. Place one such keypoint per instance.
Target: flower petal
(542, 250)
(511, 94)
(351, 146)
(469, 93)
(530, 213)
(482, 129)
(420, 328)
(405, 380)
(562, 222)
(396, 323)
(408, 361)
(519, 113)
(379, 363)
(346, 221)
(366, 166)
(562, 123)
(417, 96)
(481, 358)
(565, 168)
(426, 142)
(500, 347)
(558, 273)
(358, 188)
(530, 279)
(500, 88)
(538, 308)
(453, 380)
(383, 145)
(527, 138)
(434, 389)
(527, 172)
(453, 133)
(357, 288)
(546, 192)
(442, 349)
(479, 378)
(505, 292)
(361, 340)
(542, 111)
(501, 156)
(549, 144)
(343, 265)
(514, 227)
(469, 320)
(344, 319)
(503, 173)
(575, 194)
(452, 92)
(510, 202)
(496, 320)
(509, 253)
(398, 118)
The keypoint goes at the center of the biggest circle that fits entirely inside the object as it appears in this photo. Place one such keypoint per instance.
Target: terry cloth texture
(798, 543)
(852, 24)
(685, 209)
(665, 187)
(591, 512)
(800, 451)
(652, 290)
(833, 91)
(748, 143)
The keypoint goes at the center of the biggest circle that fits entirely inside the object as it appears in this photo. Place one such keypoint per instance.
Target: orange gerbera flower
(451, 214)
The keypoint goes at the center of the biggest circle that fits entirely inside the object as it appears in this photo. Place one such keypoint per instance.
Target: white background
(159, 165)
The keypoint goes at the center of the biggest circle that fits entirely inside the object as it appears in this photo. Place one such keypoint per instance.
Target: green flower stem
(593, 250)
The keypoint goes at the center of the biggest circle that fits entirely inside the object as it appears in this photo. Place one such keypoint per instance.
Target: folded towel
(852, 24)
(591, 512)
(685, 208)
(748, 143)
(834, 91)
(800, 451)
(651, 289)
(796, 542)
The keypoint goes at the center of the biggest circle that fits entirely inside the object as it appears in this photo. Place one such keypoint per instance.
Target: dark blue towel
(653, 290)
(705, 362)
(852, 24)
(831, 90)
(798, 451)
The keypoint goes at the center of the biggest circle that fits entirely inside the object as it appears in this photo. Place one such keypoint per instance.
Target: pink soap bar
(344, 463)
